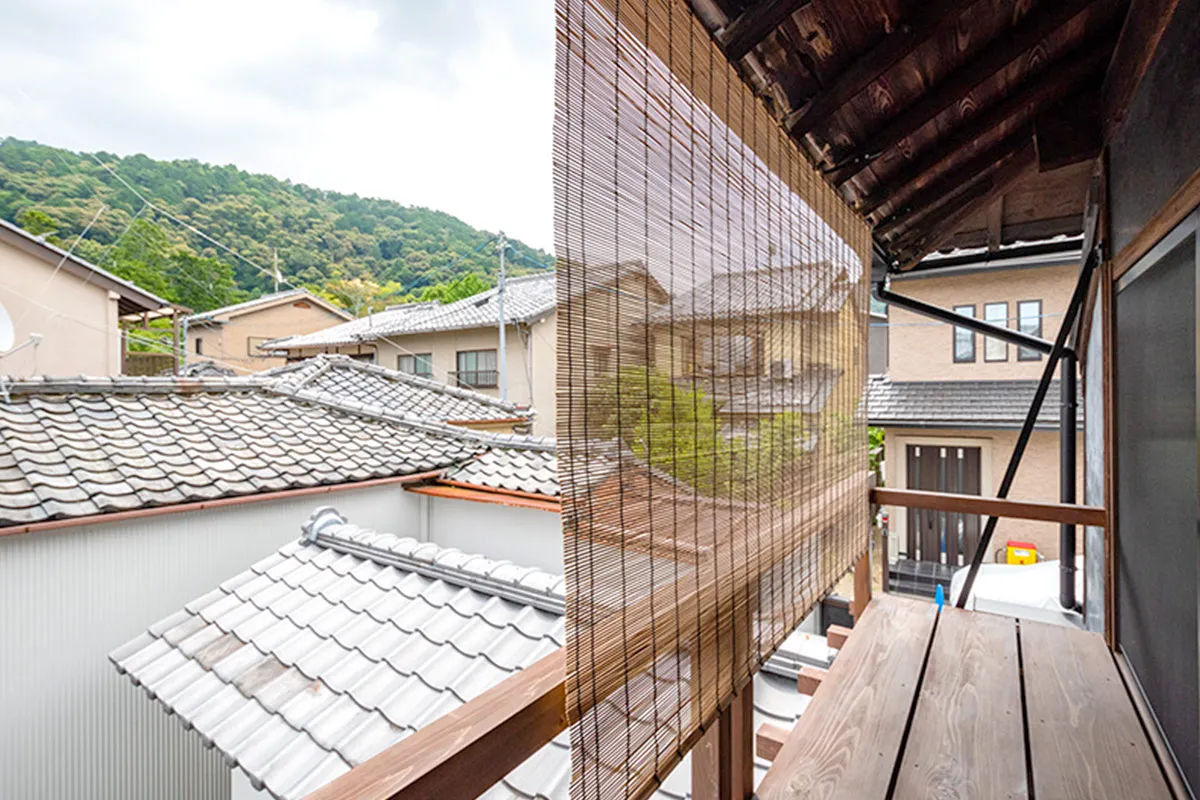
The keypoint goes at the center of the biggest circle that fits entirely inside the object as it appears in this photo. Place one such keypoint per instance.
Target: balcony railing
(477, 378)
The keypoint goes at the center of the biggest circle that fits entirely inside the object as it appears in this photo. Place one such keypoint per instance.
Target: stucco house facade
(953, 401)
(59, 314)
(458, 343)
(232, 336)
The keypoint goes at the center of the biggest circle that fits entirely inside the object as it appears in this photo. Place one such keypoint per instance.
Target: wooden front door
(943, 537)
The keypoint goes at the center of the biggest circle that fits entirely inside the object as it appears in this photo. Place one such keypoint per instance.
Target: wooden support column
(723, 759)
(862, 585)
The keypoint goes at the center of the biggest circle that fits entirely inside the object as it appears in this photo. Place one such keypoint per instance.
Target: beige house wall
(920, 349)
(1037, 478)
(78, 321)
(227, 342)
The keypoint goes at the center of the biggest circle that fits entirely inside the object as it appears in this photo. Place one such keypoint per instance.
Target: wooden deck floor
(967, 705)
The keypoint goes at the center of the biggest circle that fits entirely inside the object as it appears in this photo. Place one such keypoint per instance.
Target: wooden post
(723, 759)
(862, 585)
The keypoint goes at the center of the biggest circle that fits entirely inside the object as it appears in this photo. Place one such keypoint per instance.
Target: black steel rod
(986, 328)
(1035, 408)
(1066, 481)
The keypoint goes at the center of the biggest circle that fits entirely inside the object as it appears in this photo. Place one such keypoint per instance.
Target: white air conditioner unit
(781, 370)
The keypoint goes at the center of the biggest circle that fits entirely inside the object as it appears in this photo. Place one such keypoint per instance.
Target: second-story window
(419, 364)
(964, 338)
(995, 349)
(1029, 318)
(199, 346)
(477, 369)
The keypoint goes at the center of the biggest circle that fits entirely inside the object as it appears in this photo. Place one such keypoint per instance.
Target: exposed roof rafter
(756, 23)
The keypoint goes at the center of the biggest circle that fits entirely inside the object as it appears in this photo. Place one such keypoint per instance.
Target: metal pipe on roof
(980, 326)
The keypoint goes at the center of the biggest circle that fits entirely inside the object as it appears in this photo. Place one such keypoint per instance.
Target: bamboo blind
(711, 377)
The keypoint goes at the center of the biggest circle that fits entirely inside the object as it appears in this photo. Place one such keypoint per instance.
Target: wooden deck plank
(967, 738)
(1084, 737)
(846, 742)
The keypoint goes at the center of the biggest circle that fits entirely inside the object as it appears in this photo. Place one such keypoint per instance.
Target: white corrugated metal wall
(72, 727)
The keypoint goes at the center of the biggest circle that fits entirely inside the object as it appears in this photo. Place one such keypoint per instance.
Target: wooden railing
(470, 749)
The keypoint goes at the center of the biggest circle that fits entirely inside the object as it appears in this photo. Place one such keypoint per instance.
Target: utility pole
(275, 259)
(501, 246)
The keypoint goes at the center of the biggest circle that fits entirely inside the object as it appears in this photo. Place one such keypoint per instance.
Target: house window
(477, 369)
(419, 364)
(730, 355)
(964, 338)
(253, 349)
(1029, 318)
(995, 349)
(602, 358)
(199, 346)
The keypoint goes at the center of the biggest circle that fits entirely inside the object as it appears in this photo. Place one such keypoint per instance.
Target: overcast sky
(442, 103)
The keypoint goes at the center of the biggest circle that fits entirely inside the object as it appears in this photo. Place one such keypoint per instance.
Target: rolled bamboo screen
(712, 357)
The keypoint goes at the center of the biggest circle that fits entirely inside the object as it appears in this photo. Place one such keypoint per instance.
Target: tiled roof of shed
(517, 463)
(959, 404)
(526, 299)
(395, 391)
(344, 643)
(778, 290)
(85, 446)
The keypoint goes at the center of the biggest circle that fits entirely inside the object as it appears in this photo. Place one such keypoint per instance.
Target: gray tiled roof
(344, 643)
(959, 404)
(517, 463)
(526, 299)
(395, 391)
(802, 288)
(806, 393)
(78, 447)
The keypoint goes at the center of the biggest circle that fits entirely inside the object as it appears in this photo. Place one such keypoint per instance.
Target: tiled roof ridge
(131, 384)
(450, 309)
(208, 316)
(328, 528)
(340, 361)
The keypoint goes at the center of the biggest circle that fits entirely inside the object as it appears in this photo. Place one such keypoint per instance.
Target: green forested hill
(363, 252)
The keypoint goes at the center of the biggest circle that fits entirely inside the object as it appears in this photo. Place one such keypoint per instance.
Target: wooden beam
(943, 190)
(921, 240)
(992, 506)
(926, 19)
(995, 222)
(862, 584)
(1145, 24)
(1068, 133)
(466, 751)
(809, 679)
(480, 495)
(768, 740)
(1027, 100)
(1044, 19)
(836, 636)
(755, 24)
(723, 759)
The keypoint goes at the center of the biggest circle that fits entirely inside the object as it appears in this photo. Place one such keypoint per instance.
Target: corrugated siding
(73, 727)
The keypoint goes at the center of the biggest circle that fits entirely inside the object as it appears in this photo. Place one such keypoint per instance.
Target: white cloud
(446, 105)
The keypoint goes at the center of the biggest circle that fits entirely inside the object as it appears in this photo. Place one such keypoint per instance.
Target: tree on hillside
(468, 285)
(362, 296)
(146, 256)
(39, 223)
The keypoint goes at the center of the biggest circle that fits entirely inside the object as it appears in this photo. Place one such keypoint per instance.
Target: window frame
(1025, 353)
(252, 351)
(961, 309)
(199, 346)
(987, 358)
(459, 371)
(417, 358)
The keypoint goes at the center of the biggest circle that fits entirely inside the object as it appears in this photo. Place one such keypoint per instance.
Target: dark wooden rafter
(754, 24)
(1144, 27)
(1083, 62)
(923, 239)
(927, 18)
(924, 202)
(1044, 19)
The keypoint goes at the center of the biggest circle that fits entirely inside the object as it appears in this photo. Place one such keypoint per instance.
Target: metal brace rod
(1035, 408)
(988, 329)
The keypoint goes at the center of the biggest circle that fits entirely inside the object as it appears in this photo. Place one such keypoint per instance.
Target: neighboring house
(756, 340)
(343, 643)
(402, 393)
(122, 499)
(59, 314)
(458, 342)
(953, 402)
(233, 336)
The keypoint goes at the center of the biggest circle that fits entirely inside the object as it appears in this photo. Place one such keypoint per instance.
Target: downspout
(1066, 480)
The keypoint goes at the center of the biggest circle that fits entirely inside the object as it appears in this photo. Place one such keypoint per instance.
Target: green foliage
(465, 286)
(320, 237)
(361, 296)
(676, 429)
(875, 449)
